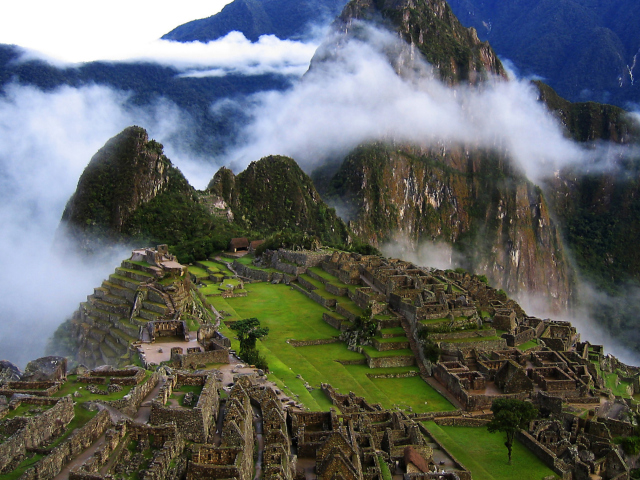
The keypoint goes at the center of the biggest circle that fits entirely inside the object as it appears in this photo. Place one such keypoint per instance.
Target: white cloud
(46, 140)
(356, 96)
(79, 31)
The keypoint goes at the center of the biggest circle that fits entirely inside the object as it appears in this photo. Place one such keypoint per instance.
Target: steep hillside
(584, 49)
(432, 28)
(130, 192)
(275, 194)
(282, 18)
(497, 220)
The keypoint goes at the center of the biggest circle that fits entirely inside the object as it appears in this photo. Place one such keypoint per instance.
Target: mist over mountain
(254, 18)
(585, 49)
(416, 137)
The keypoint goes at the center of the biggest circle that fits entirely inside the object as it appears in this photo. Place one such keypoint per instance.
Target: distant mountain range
(584, 49)
(282, 18)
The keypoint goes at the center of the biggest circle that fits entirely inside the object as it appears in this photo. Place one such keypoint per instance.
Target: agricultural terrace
(485, 455)
(290, 315)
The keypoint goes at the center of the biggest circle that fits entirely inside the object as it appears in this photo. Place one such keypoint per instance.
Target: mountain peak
(432, 28)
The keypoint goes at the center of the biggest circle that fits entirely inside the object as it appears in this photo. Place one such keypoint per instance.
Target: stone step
(120, 291)
(142, 322)
(97, 335)
(123, 338)
(105, 295)
(94, 311)
(127, 327)
(159, 308)
(148, 315)
(109, 357)
(115, 344)
(148, 269)
(118, 309)
(123, 281)
(136, 275)
(98, 323)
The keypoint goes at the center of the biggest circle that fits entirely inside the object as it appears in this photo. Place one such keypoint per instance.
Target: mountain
(282, 18)
(496, 220)
(275, 192)
(584, 49)
(431, 27)
(131, 192)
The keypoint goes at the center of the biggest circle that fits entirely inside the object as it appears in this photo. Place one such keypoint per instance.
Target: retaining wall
(37, 431)
(73, 446)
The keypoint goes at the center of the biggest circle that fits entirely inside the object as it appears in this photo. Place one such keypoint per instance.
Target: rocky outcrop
(128, 171)
(497, 220)
(45, 369)
(274, 194)
(430, 27)
(9, 372)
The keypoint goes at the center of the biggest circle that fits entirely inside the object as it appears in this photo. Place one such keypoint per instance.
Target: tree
(249, 331)
(510, 415)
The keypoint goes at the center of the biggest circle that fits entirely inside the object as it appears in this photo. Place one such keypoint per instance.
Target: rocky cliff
(496, 220)
(275, 194)
(430, 27)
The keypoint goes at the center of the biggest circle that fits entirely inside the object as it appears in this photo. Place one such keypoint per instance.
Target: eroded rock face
(496, 221)
(430, 27)
(45, 369)
(9, 372)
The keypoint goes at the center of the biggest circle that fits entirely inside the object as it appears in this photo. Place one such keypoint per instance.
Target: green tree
(509, 416)
(249, 331)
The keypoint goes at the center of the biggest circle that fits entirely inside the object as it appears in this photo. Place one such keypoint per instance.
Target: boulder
(45, 369)
(9, 372)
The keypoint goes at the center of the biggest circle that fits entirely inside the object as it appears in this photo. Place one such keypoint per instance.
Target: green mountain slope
(583, 48)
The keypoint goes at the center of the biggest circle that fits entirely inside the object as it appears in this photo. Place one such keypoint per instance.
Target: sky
(78, 30)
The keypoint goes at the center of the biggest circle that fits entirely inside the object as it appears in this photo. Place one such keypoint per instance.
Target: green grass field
(485, 455)
(291, 315)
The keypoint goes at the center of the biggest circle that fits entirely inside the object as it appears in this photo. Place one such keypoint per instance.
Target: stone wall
(73, 446)
(345, 313)
(304, 259)
(325, 302)
(389, 362)
(38, 389)
(461, 422)
(465, 347)
(194, 422)
(131, 402)
(306, 343)
(386, 346)
(194, 359)
(337, 323)
(545, 455)
(460, 470)
(37, 431)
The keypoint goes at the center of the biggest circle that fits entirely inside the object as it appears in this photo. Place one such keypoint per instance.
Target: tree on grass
(249, 331)
(509, 416)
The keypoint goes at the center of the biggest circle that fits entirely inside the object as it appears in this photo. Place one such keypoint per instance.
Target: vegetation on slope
(581, 47)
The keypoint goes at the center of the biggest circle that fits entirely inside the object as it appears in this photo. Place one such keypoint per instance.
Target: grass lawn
(470, 339)
(527, 345)
(372, 352)
(399, 331)
(198, 272)
(291, 315)
(485, 455)
(392, 339)
(24, 410)
(350, 306)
